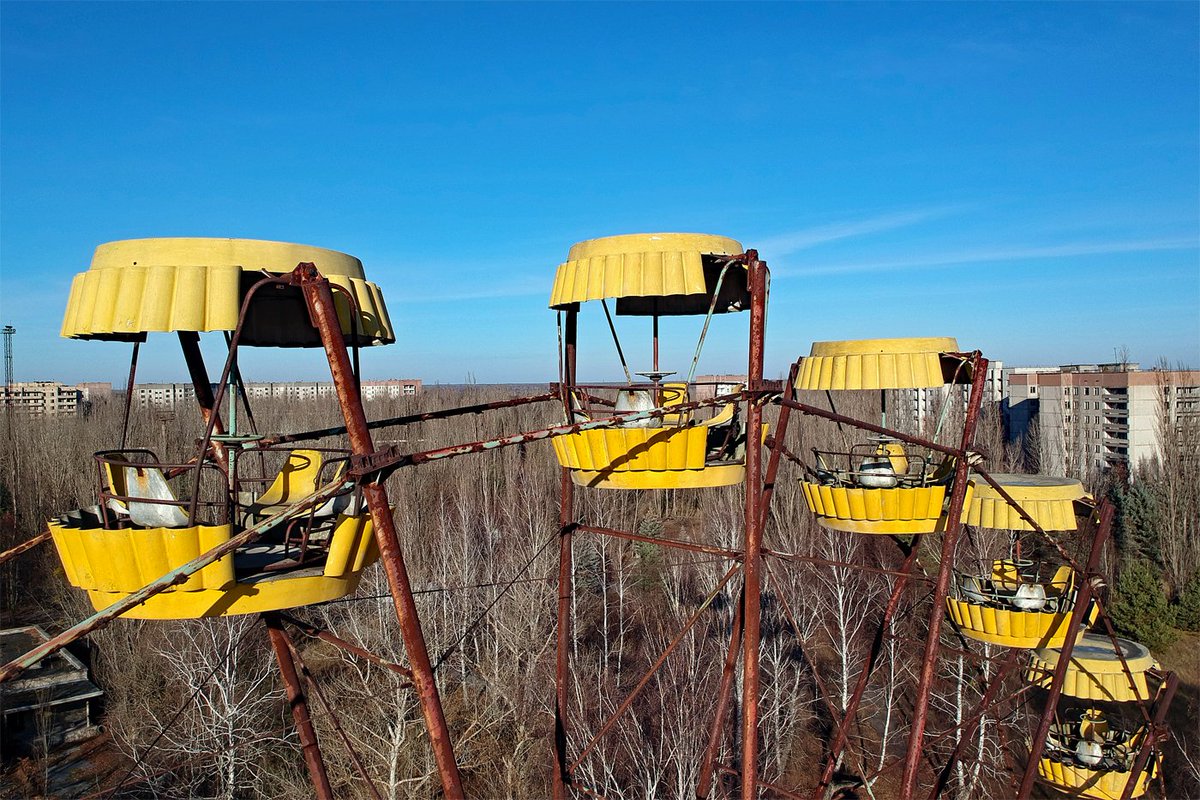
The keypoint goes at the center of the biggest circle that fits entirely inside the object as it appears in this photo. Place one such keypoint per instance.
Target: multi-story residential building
(41, 397)
(162, 395)
(1097, 416)
(391, 389)
(168, 395)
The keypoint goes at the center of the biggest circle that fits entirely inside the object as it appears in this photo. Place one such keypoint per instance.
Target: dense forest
(196, 708)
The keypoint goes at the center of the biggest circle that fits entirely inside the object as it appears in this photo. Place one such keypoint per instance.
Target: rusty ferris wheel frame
(371, 466)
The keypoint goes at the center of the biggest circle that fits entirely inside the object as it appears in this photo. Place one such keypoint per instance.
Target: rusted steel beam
(397, 422)
(311, 681)
(133, 361)
(24, 546)
(175, 576)
(752, 564)
(937, 614)
(560, 777)
(816, 411)
(189, 342)
(724, 691)
(324, 317)
(308, 629)
(675, 543)
(843, 730)
(776, 445)
(641, 684)
(298, 703)
(1082, 602)
(382, 463)
(1155, 732)
(968, 728)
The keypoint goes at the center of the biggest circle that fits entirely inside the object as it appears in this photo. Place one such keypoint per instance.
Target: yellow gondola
(1020, 603)
(878, 486)
(1090, 757)
(654, 275)
(1017, 605)
(1096, 672)
(152, 517)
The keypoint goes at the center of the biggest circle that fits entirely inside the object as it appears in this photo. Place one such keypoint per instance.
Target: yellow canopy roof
(1050, 500)
(877, 364)
(669, 269)
(1095, 671)
(139, 286)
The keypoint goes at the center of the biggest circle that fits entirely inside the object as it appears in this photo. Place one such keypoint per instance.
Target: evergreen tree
(1139, 608)
(1137, 523)
(1187, 605)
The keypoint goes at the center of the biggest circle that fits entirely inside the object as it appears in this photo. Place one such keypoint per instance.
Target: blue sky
(1025, 177)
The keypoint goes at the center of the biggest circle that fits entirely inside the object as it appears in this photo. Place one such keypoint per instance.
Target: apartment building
(1098, 416)
(391, 389)
(168, 395)
(41, 398)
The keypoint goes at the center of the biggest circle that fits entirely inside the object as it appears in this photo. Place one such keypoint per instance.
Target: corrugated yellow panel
(1080, 781)
(140, 286)
(1049, 500)
(1095, 671)
(127, 559)
(913, 363)
(882, 511)
(633, 449)
(643, 458)
(1011, 627)
(637, 265)
(110, 564)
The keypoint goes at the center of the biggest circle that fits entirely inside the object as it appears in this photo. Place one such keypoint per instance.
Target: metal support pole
(299, 705)
(752, 572)
(189, 341)
(708, 762)
(912, 759)
(1082, 601)
(319, 298)
(1152, 733)
(561, 778)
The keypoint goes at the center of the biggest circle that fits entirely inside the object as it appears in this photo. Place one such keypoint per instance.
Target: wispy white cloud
(996, 254)
(787, 243)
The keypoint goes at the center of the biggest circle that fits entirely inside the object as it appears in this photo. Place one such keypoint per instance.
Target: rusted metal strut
(25, 546)
(409, 419)
(379, 464)
(937, 612)
(309, 746)
(323, 313)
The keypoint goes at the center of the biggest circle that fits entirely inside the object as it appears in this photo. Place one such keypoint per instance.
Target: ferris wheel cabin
(655, 276)
(878, 486)
(152, 516)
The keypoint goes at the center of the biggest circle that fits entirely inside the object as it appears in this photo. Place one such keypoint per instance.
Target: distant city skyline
(1023, 177)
